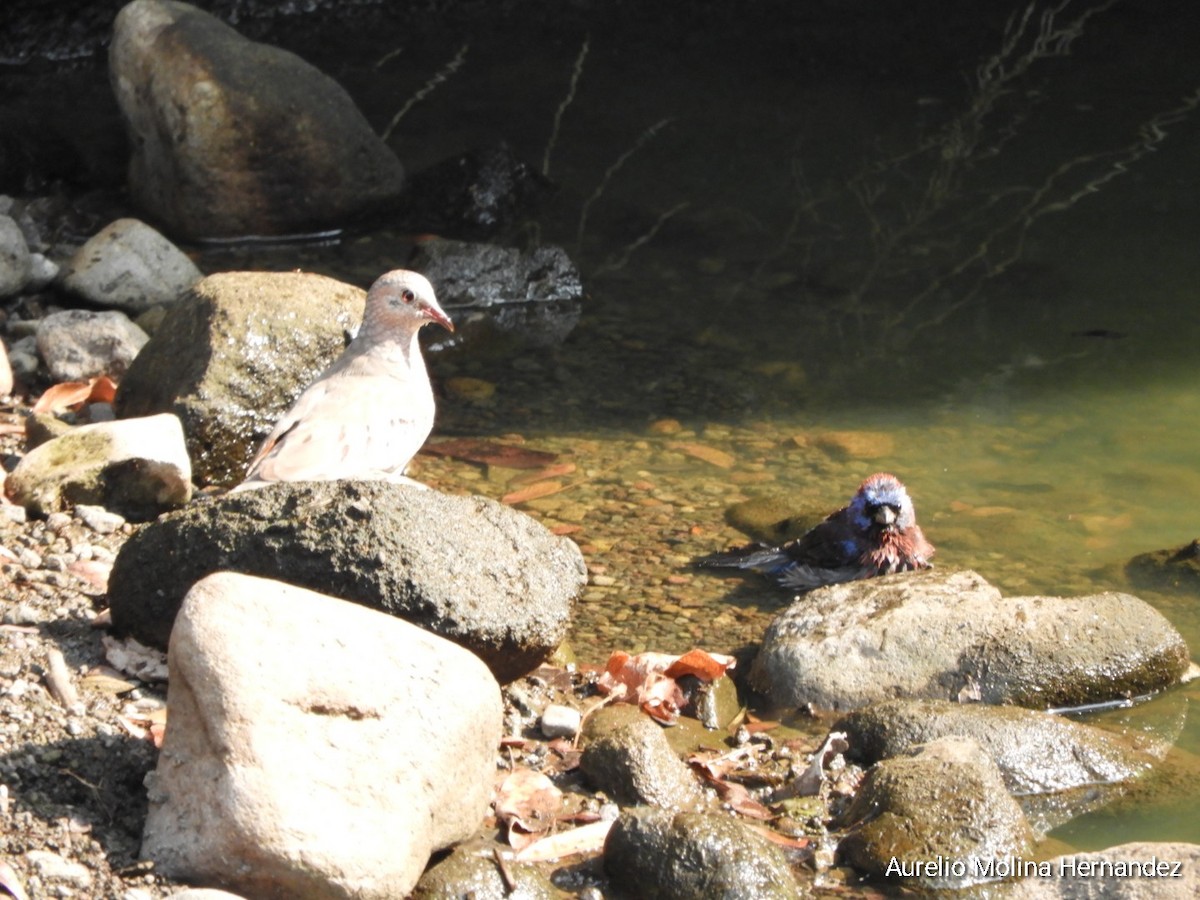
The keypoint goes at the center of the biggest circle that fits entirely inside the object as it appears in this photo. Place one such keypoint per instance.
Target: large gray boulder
(467, 568)
(232, 354)
(232, 137)
(950, 635)
(315, 748)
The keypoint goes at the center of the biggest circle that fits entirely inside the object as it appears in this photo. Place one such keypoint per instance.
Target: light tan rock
(137, 467)
(315, 749)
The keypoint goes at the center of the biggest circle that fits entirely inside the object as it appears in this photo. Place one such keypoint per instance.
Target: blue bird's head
(883, 502)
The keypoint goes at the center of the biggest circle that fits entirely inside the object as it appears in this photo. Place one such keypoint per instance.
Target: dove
(367, 415)
(875, 534)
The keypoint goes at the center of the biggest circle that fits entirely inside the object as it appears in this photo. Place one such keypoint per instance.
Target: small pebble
(560, 721)
(57, 521)
(21, 614)
(99, 519)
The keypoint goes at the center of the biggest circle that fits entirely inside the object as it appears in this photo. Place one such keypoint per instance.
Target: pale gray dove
(369, 413)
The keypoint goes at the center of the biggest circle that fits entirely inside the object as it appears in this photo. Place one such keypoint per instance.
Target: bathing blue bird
(876, 533)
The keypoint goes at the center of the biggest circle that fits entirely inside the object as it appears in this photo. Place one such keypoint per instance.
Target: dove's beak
(885, 516)
(436, 315)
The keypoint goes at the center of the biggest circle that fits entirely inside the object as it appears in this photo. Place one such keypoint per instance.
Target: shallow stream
(728, 185)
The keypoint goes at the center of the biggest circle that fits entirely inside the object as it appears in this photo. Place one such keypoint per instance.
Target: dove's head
(402, 301)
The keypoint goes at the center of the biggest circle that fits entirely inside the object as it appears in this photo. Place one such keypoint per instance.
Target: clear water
(1045, 419)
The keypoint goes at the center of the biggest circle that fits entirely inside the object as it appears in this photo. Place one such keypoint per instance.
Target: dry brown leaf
(533, 492)
(527, 801)
(704, 665)
(584, 839)
(708, 454)
(68, 394)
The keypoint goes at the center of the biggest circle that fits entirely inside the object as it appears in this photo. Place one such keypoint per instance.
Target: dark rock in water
(1037, 752)
(468, 872)
(1167, 570)
(480, 574)
(773, 518)
(232, 354)
(627, 755)
(233, 138)
(654, 853)
(945, 802)
(477, 195)
(532, 298)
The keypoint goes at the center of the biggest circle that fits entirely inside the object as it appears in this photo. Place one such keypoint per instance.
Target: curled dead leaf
(68, 394)
(533, 492)
(708, 454)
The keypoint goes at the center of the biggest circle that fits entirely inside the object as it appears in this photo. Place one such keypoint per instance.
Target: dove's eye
(407, 296)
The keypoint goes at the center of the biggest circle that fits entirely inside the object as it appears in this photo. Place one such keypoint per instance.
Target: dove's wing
(346, 427)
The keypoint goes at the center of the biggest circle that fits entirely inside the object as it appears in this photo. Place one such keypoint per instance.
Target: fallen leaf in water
(539, 489)
(708, 454)
(540, 474)
(491, 453)
(561, 530)
(584, 839)
(68, 394)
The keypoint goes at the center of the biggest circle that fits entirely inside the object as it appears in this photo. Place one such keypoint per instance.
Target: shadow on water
(797, 218)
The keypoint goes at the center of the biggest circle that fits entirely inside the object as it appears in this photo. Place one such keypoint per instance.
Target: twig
(506, 875)
(618, 262)
(643, 139)
(576, 74)
(58, 679)
(387, 57)
(438, 77)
